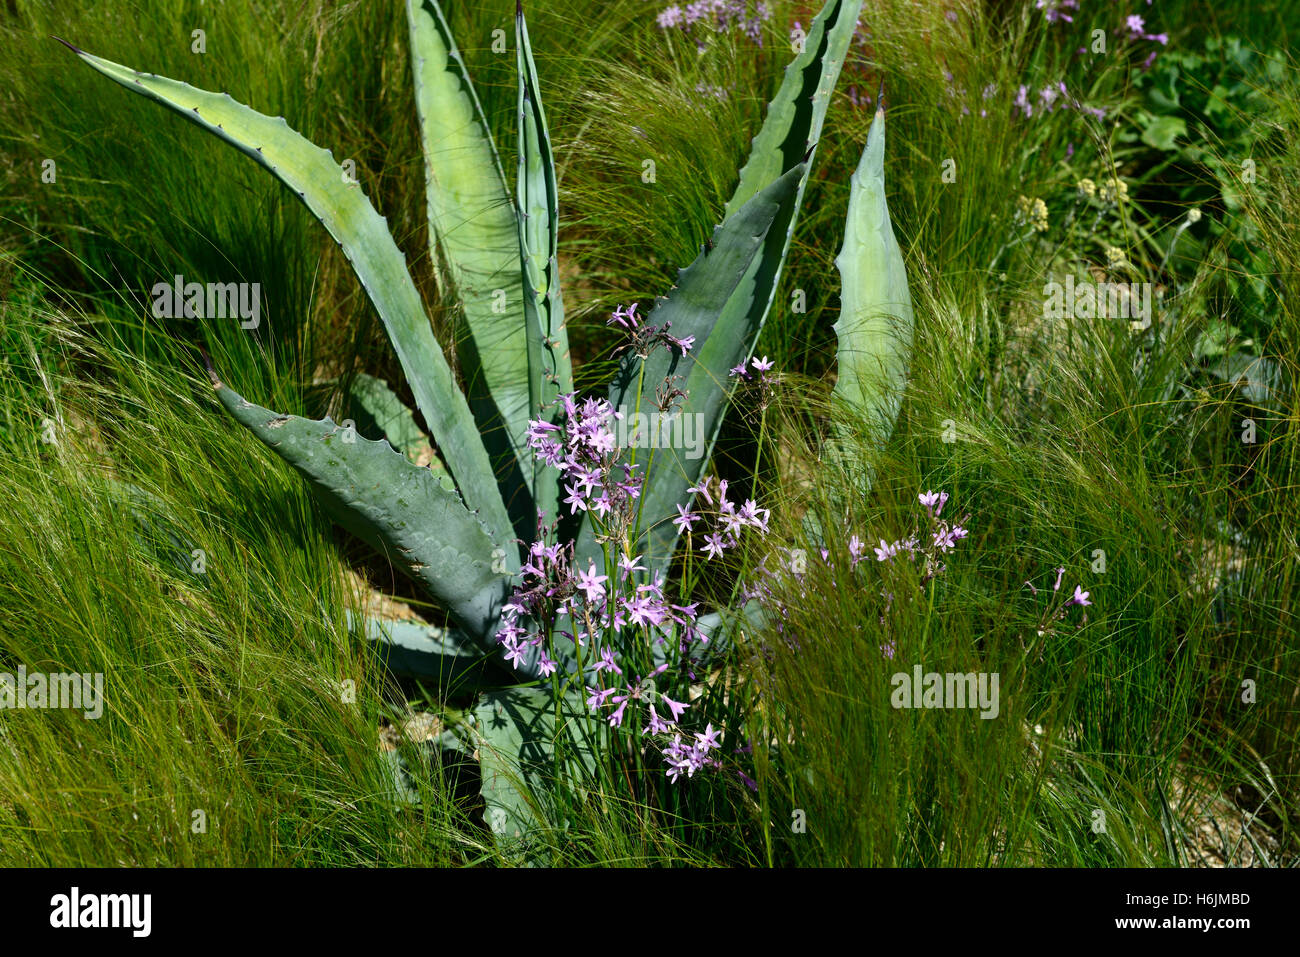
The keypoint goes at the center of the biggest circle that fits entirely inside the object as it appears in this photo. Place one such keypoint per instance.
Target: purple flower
(702, 489)
(708, 739)
(625, 317)
(1022, 101)
(1134, 24)
(670, 17)
(1060, 573)
(933, 501)
(575, 500)
(673, 706)
(657, 724)
(597, 698)
(713, 545)
(616, 719)
(762, 365)
(606, 663)
(685, 519)
(590, 583)
(1080, 596)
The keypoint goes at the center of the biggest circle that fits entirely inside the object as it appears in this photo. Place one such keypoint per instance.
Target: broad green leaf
(413, 516)
(525, 755)
(362, 234)
(874, 329)
(695, 307)
(550, 365)
(474, 240)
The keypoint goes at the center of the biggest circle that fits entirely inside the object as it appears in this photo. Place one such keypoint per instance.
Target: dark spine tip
(207, 364)
(67, 44)
(807, 156)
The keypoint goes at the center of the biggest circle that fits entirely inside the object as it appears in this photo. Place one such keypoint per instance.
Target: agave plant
(456, 525)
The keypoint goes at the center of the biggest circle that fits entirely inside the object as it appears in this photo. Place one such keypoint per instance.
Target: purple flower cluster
(643, 338)
(730, 521)
(717, 15)
(688, 757)
(1054, 10)
(612, 615)
(942, 536)
(1056, 609)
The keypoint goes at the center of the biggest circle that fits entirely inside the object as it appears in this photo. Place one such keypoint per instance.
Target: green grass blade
(363, 235)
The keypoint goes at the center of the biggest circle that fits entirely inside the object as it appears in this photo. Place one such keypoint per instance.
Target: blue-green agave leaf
(444, 657)
(407, 512)
(527, 744)
(474, 242)
(695, 307)
(337, 201)
(549, 361)
(377, 406)
(875, 327)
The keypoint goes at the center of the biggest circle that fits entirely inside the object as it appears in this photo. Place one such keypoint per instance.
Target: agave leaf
(362, 233)
(789, 134)
(550, 365)
(409, 513)
(695, 307)
(794, 117)
(522, 749)
(474, 239)
(874, 330)
(445, 657)
(378, 405)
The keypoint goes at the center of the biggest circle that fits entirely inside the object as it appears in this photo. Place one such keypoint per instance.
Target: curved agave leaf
(788, 136)
(521, 747)
(695, 307)
(875, 326)
(364, 238)
(794, 117)
(403, 510)
(446, 657)
(474, 242)
(550, 365)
